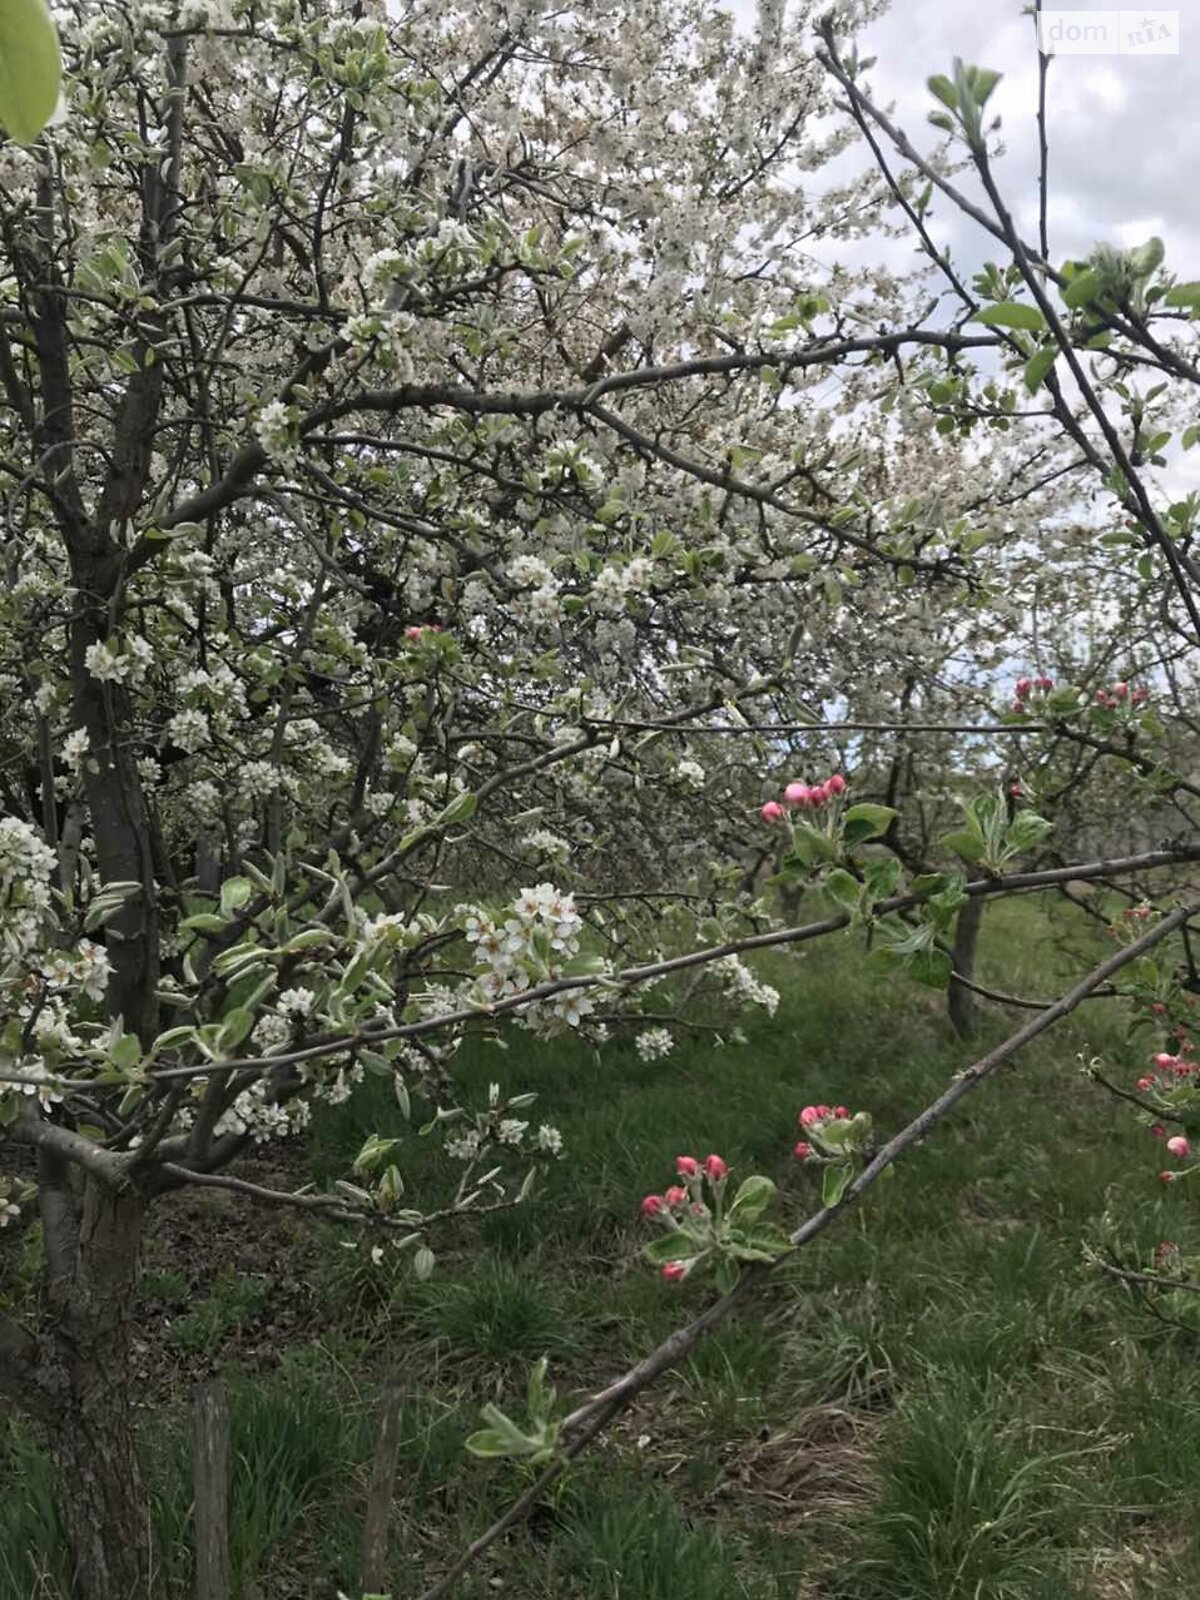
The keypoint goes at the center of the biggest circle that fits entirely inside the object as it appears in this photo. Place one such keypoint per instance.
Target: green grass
(938, 1400)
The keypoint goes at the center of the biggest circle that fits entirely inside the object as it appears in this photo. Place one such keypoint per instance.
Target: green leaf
(459, 809)
(726, 1274)
(236, 1027)
(1186, 295)
(941, 86)
(752, 1199)
(834, 1181)
(1026, 830)
(810, 844)
(931, 967)
(1011, 314)
(982, 80)
(967, 845)
(205, 922)
(671, 1246)
(488, 1442)
(424, 1262)
(842, 888)
(866, 821)
(30, 68)
(126, 1052)
(1147, 258)
(1082, 290)
(1038, 366)
(235, 892)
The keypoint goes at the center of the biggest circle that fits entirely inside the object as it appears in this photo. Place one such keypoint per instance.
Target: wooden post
(210, 1482)
(379, 1492)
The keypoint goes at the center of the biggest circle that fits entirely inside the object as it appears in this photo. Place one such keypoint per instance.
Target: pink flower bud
(796, 794)
(673, 1271)
(1157, 1129)
(771, 812)
(1017, 707)
(1023, 687)
(802, 1151)
(1158, 1008)
(824, 1112)
(412, 633)
(1144, 1084)
(652, 1205)
(686, 1166)
(675, 1196)
(1140, 696)
(1014, 789)
(1162, 1059)
(1120, 690)
(840, 1111)
(1044, 684)
(1178, 1146)
(809, 1115)
(836, 784)
(1168, 1177)
(715, 1168)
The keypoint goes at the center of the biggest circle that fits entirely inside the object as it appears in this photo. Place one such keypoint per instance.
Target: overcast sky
(1124, 130)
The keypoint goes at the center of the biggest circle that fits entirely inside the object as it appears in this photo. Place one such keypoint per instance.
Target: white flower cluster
(86, 970)
(538, 601)
(654, 1043)
(118, 660)
(262, 1118)
(42, 980)
(26, 865)
(741, 985)
(470, 1144)
(547, 844)
(74, 749)
(691, 774)
(188, 730)
(613, 585)
(531, 945)
(276, 432)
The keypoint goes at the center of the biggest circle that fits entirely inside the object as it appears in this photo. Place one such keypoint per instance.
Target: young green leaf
(30, 68)
(1011, 314)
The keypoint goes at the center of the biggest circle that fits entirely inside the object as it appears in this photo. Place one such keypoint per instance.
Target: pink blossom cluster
(415, 633)
(1025, 687)
(679, 1201)
(1168, 1069)
(804, 797)
(811, 1120)
(1116, 694)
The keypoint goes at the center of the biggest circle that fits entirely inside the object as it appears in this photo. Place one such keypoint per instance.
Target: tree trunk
(959, 999)
(84, 1375)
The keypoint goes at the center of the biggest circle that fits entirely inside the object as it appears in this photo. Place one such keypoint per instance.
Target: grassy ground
(937, 1401)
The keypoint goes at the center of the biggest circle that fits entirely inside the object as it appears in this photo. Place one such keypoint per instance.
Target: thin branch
(336, 1044)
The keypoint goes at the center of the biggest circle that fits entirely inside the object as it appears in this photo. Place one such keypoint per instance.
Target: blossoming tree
(435, 465)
